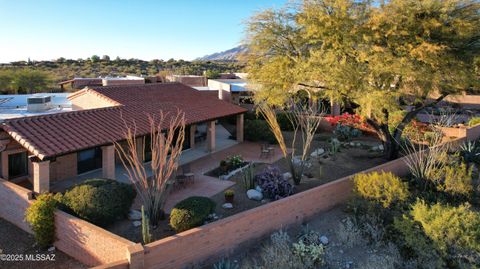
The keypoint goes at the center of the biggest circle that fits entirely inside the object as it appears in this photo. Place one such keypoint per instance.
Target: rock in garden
(51, 249)
(287, 176)
(134, 215)
(254, 195)
(137, 223)
(259, 189)
(324, 240)
(227, 206)
(317, 153)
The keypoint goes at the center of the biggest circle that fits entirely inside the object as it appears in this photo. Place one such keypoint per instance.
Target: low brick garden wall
(469, 133)
(79, 239)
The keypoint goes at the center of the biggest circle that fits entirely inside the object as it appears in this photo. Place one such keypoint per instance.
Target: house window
(17, 165)
(88, 160)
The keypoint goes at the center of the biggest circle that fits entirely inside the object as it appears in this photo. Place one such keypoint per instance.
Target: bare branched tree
(167, 133)
(305, 121)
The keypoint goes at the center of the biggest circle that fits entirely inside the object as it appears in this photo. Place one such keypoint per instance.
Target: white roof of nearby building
(15, 106)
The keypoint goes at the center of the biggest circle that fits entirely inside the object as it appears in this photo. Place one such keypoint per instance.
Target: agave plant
(470, 152)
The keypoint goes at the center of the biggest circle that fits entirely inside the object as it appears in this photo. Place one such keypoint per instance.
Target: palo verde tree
(382, 57)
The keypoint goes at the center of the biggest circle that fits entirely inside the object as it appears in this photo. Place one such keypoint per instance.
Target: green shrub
(384, 188)
(258, 130)
(191, 212)
(40, 216)
(416, 245)
(457, 179)
(100, 201)
(454, 230)
(473, 121)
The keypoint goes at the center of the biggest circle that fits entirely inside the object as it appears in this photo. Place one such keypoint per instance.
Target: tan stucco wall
(89, 101)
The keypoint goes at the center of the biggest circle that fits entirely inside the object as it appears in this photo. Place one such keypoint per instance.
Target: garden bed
(390, 222)
(220, 172)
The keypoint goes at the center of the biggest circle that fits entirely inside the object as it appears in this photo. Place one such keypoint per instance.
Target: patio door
(17, 165)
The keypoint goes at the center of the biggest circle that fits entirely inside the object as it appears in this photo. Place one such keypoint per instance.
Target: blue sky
(179, 29)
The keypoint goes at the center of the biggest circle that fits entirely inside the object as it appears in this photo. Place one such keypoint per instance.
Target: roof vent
(39, 103)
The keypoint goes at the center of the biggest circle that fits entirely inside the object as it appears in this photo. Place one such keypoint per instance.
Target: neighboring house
(190, 80)
(232, 90)
(80, 83)
(56, 147)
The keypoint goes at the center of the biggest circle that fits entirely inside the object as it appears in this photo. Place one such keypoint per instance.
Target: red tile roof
(56, 134)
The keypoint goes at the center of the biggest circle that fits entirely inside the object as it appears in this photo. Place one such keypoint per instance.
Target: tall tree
(381, 57)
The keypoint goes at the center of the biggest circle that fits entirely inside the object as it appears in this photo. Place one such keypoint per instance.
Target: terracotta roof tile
(56, 134)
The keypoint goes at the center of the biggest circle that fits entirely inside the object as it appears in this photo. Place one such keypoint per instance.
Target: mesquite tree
(382, 57)
(167, 133)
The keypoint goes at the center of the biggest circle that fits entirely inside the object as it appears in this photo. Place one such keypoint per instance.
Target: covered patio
(200, 150)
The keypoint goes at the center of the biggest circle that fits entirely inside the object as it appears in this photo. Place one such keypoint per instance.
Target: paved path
(209, 186)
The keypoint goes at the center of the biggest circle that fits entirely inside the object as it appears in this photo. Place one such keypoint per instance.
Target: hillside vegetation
(35, 76)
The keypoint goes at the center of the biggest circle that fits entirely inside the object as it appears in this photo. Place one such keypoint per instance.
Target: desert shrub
(191, 212)
(273, 184)
(345, 132)
(258, 130)
(100, 201)
(40, 216)
(473, 121)
(390, 258)
(457, 179)
(384, 188)
(416, 246)
(348, 233)
(455, 231)
(226, 264)
(284, 121)
(281, 252)
(231, 163)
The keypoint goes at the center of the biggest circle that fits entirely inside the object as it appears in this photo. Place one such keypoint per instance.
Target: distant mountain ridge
(228, 55)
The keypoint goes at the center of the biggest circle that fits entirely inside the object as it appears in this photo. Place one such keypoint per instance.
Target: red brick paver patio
(209, 186)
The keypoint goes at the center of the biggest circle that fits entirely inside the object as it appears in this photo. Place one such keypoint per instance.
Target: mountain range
(228, 55)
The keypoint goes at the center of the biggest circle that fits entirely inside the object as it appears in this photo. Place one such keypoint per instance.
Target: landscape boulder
(134, 215)
(254, 195)
(227, 206)
(317, 153)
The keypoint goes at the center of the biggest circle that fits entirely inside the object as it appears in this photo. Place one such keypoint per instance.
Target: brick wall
(14, 200)
(470, 133)
(88, 243)
(79, 239)
(220, 237)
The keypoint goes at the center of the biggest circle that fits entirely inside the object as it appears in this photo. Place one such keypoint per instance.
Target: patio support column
(211, 136)
(240, 127)
(108, 162)
(41, 176)
(193, 128)
(335, 108)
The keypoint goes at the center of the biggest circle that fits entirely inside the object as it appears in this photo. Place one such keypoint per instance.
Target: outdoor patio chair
(186, 177)
(264, 151)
